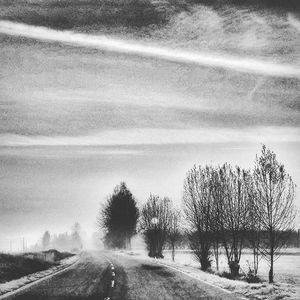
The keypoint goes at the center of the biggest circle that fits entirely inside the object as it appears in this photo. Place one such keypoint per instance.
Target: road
(92, 278)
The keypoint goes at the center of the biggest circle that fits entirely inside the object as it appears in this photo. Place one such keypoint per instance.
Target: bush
(252, 278)
(227, 275)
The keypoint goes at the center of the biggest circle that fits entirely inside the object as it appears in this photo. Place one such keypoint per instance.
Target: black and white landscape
(149, 149)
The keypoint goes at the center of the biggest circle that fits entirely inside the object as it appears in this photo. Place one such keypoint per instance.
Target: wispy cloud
(294, 21)
(159, 136)
(122, 46)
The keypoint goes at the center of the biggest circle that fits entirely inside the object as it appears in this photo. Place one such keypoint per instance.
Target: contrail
(258, 84)
(246, 65)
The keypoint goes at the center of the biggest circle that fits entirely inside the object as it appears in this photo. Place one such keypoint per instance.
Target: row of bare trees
(224, 207)
(227, 206)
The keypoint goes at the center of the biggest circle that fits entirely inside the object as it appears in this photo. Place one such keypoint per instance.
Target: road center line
(113, 275)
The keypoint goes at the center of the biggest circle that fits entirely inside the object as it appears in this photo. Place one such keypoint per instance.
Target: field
(287, 267)
(19, 265)
(16, 266)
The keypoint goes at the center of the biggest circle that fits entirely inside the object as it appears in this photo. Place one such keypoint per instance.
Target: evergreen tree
(119, 217)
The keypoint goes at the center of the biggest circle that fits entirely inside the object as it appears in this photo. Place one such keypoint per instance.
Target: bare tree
(275, 206)
(76, 240)
(216, 192)
(46, 240)
(155, 223)
(232, 202)
(198, 208)
(174, 233)
(62, 241)
(254, 233)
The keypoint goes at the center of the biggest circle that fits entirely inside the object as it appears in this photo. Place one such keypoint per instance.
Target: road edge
(197, 278)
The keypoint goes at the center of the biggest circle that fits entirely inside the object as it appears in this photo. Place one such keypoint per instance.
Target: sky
(76, 120)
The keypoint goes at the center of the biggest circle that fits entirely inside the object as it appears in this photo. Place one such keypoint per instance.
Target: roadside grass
(16, 266)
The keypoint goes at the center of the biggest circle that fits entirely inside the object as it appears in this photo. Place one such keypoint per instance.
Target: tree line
(63, 241)
(225, 208)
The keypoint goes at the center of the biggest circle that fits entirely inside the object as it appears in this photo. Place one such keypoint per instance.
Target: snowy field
(287, 277)
(287, 267)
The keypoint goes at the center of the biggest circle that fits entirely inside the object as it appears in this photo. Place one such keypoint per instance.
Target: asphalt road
(92, 278)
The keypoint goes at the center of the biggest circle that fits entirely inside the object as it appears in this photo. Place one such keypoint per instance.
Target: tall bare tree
(275, 206)
(216, 215)
(254, 233)
(198, 207)
(232, 203)
(46, 240)
(76, 240)
(174, 233)
(155, 223)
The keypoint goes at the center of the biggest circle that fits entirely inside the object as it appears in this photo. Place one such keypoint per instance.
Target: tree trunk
(205, 263)
(271, 272)
(216, 253)
(271, 276)
(234, 268)
(255, 261)
(173, 253)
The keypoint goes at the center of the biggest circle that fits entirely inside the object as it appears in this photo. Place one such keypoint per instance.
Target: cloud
(84, 117)
(159, 136)
(247, 65)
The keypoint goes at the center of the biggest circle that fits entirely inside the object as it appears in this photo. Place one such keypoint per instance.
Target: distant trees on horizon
(62, 241)
(46, 240)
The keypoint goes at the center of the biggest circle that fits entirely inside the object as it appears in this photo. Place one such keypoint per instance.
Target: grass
(16, 266)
